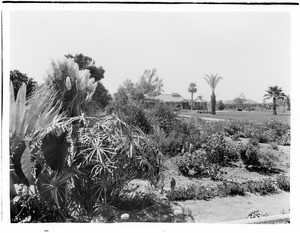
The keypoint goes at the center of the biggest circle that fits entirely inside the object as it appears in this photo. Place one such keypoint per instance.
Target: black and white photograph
(148, 113)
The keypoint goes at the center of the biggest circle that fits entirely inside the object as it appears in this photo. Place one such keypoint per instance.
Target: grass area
(244, 115)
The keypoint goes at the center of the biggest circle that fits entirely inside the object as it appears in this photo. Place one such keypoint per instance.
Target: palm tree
(288, 102)
(274, 92)
(213, 81)
(192, 89)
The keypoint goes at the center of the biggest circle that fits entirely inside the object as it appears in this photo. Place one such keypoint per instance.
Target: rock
(124, 217)
(178, 212)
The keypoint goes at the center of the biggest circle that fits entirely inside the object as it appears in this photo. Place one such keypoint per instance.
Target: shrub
(230, 188)
(164, 117)
(283, 182)
(253, 142)
(131, 113)
(252, 156)
(263, 187)
(257, 214)
(219, 151)
(137, 200)
(197, 165)
(268, 131)
(233, 127)
(236, 137)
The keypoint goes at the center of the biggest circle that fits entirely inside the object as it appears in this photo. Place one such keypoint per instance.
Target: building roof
(247, 101)
(199, 100)
(174, 97)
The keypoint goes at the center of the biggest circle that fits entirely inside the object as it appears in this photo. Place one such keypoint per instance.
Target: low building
(199, 104)
(174, 100)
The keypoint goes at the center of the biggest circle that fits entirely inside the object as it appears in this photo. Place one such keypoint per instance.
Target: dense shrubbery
(228, 188)
(130, 112)
(265, 132)
(164, 117)
(197, 164)
(253, 156)
(283, 182)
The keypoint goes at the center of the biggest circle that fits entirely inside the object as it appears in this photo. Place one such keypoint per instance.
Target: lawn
(244, 115)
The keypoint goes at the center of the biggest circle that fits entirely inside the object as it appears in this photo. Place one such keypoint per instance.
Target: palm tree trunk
(192, 101)
(213, 103)
(274, 106)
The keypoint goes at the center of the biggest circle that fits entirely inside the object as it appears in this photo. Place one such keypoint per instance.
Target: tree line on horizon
(148, 83)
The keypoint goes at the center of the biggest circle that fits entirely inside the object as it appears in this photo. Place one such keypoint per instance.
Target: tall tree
(18, 79)
(288, 102)
(275, 93)
(193, 89)
(149, 83)
(213, 81)
(101, 96)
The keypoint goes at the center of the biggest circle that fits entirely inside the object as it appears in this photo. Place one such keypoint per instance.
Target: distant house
(200, 104)
(174, 100)
(246, 104)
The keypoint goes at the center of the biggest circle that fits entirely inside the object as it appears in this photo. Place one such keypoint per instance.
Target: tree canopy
(18, 78)
(148, 84)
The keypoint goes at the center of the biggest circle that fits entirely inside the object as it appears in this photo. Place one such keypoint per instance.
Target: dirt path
(235, 208)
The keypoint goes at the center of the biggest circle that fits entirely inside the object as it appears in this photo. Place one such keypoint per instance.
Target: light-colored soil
(236, 208)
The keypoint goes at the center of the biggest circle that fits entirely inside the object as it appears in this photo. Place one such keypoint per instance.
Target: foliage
(231, 188)
(164, 117)
(134, 201)
(111, 153)
(268, 131)
(85, 62)
(225, 189)
(197, 165)
(192, 89)
(263, 187)
(101, 97)
(288, 102)
(221, 105)
(73, 87)
(233, 127)
(275, 93)
(17, 78)
(24, 123)
(283, 182)
(130, 112)
(150, 83)
(257, 214)
(202, 192)
(219, 151)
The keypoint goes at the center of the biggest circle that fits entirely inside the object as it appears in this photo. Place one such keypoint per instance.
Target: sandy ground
(235, 208)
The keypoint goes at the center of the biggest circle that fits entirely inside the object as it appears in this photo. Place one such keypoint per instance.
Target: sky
(250, 50)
